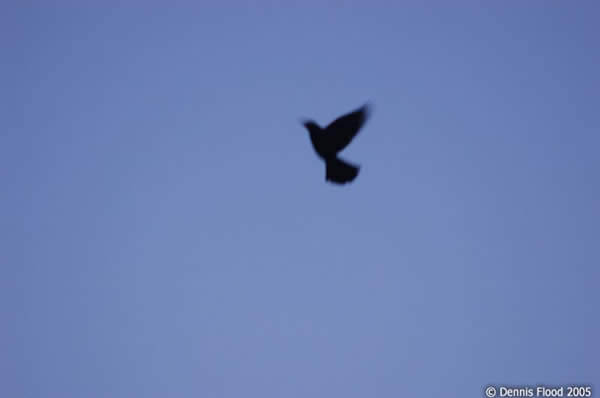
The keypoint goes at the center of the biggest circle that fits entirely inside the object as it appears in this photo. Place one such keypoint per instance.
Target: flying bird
(329, 141)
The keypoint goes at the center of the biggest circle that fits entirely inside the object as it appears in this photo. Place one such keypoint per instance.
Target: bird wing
(343, 129)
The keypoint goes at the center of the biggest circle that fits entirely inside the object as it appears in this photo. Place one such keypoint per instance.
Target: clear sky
(166, 229)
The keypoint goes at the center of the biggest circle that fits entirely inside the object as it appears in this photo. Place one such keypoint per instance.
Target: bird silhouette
(328, 142)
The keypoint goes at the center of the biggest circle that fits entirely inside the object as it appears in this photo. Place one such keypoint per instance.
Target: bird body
(328, 142)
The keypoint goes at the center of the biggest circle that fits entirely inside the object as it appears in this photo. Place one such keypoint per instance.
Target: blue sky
(166, 228)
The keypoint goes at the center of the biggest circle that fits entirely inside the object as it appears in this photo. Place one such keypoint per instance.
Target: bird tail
(339, 171)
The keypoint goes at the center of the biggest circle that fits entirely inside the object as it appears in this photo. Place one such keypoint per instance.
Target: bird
(329, 141)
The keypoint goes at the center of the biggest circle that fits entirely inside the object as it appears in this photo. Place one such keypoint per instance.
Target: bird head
(311, 126)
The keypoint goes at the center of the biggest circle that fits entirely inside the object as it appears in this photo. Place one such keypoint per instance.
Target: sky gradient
(166, 229)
